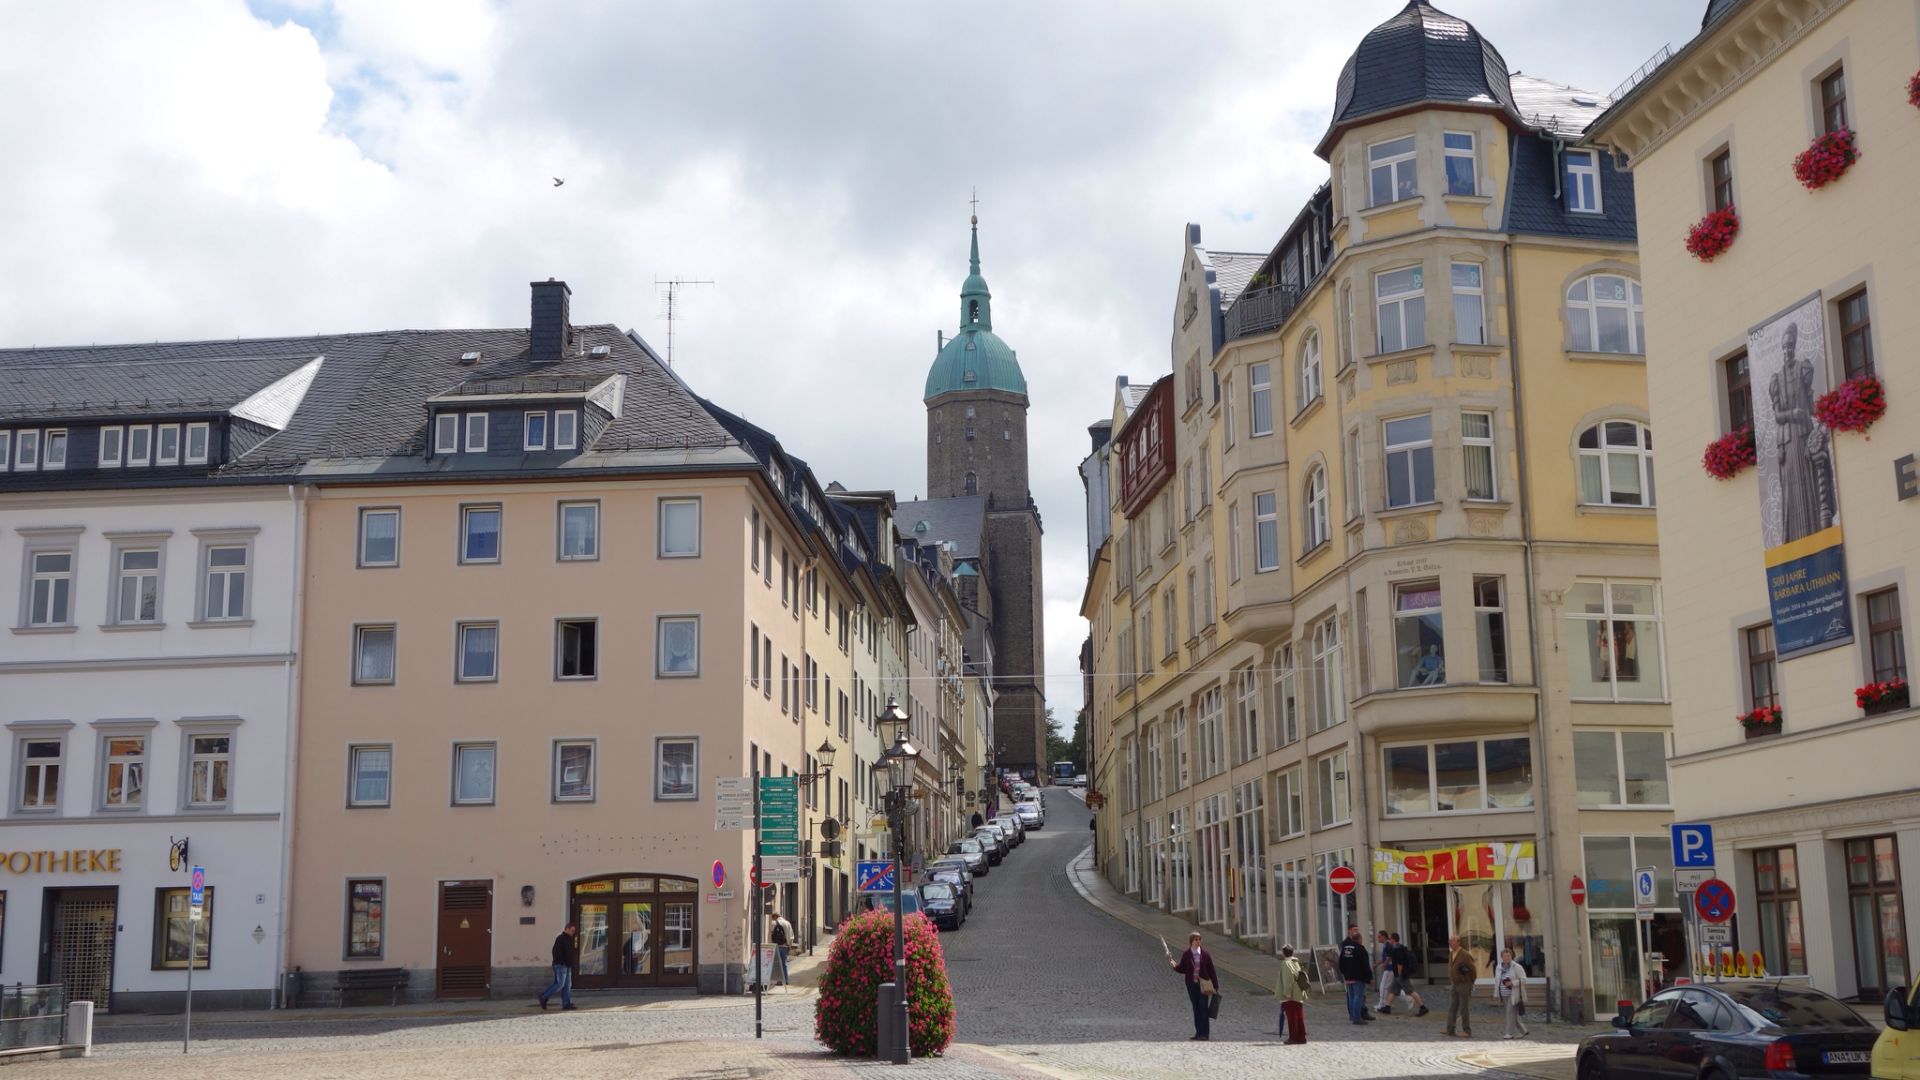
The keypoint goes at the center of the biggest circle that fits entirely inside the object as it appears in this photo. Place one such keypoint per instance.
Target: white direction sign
(1716, 934)
(724, 786)
(1644, 886)
(1691, 880)
(724, 821)
(780, 868)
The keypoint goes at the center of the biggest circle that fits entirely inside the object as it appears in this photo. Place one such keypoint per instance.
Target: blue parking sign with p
(1693, 847)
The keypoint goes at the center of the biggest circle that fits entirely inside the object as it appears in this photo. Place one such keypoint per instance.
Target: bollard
(1623, 1008)
(889, 1005)
(79, 1041)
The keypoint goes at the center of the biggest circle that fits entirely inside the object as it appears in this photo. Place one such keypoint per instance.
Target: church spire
(976, 303)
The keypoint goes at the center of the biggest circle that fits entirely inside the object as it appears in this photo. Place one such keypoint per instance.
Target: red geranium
(1763, 716)
(1713, 234)
(1854, 405)
(860, 959)
(1730, 453)
(1913, 91)
(1830, 155)
(1892, 693)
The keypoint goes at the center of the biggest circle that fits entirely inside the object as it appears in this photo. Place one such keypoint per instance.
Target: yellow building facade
(1383, 588)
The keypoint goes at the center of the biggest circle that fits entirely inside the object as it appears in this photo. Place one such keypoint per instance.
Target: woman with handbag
(1291, 989)
(1203, 983)
(1510, 983)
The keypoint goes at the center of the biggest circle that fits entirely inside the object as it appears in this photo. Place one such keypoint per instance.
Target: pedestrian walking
(1400, 976)
(1357, 969)
(1510, 982)
(1383, 969)
(1462, 970)
(562, 969)
(1196, 964)
(1291, 989)
(782, 937)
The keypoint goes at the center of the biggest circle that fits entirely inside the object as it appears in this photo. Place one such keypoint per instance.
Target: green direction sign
(779, 815)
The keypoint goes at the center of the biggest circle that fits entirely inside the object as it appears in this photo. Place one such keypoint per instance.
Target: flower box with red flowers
(1727, 455)
(1830, 156)
(1913, 91)
(1881, 697)
(1854, 405)
(1765, 720)
(1713, 234)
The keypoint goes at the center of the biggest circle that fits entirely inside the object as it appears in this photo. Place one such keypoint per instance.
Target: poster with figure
(1799, 504)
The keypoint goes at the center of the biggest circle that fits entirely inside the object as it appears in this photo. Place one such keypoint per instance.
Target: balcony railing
(1257, 311)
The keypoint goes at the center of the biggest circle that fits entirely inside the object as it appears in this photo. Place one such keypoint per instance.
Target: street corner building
(1787, 133)
(424, 644)
(1374, 580)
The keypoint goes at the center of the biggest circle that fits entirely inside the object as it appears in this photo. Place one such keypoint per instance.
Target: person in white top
(1510, 983)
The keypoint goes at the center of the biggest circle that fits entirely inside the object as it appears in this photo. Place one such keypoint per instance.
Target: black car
(1730, 1031)
(961, 884)
(940, 902)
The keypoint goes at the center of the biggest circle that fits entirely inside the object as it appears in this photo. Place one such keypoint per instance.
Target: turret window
(1392, 171)
(1462, 172)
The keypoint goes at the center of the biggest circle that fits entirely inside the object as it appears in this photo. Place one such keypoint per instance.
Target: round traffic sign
(719, 874)
(1577, 890)
(1342, 881)
(1714, 900)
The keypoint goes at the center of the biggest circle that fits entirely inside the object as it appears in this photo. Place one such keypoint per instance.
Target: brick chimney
(550, 335)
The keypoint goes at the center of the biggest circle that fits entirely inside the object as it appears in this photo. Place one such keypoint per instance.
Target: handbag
(1207, 988)
(1213, 1007)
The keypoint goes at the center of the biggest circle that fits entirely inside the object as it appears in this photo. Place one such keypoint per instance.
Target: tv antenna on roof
(670, 304)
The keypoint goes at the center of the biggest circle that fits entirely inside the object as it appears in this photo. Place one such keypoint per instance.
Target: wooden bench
(392, 980)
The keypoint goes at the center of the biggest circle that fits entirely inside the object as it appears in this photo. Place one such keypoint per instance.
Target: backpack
(779, 933)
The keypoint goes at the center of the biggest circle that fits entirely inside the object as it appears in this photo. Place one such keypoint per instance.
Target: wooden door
(466, 939)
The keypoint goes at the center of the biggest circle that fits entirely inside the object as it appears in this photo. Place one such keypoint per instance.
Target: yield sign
(1714, 900)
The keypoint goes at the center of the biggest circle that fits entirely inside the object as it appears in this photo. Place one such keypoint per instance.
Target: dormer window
(26, 456)
(477, 433)
(56, 451)
(139, 445)
(446, 433)
(536, 431)
(198, 438)
(566, 429)
(111, 440)
(167, 447)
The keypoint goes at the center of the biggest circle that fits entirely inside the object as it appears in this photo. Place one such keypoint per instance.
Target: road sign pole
(193, 932)
(753, 915)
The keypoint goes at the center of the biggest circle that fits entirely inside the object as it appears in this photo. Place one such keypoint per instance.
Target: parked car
(972, 851)
(960, 887)
(1015, 831)
(1730, 1031)
(1030, 815)
(1896, 1054)
(941, 903)
(1079, 781)
(1000, 836)
(991, 843)
(909, 901)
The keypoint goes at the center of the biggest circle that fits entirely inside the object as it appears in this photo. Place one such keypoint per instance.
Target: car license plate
(1847, 1057)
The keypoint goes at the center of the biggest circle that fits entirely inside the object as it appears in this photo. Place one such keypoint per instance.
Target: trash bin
(889, 1006)
(1575, 1008)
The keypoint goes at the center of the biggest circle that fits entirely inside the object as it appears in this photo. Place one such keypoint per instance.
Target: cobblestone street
(1047, 984)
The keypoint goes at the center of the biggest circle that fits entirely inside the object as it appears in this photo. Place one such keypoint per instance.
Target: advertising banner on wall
(1489, 860)
(1799, 505)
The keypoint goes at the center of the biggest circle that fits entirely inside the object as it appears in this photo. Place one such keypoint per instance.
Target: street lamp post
(896, 764)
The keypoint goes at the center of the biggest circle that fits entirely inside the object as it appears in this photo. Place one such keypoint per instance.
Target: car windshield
(1789, 1007)
(971, 847)
(936, 891)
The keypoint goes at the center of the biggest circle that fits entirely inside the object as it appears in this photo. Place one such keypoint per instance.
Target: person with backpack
(1400, 977)
(1291, 989)
(781, 935)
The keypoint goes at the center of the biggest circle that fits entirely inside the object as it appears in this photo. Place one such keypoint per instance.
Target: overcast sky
(214, 168)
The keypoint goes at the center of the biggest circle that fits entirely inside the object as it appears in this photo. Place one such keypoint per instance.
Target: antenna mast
(670, 303)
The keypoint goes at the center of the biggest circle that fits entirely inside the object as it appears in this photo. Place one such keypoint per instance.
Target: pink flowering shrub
(1713, 234)
(1730, 453)
(844, 1016)
(1830, 156)
(1854, 405)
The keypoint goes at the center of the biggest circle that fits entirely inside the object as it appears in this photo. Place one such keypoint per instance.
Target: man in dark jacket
(1399, 978)
(1196, 963)
(562, 969)
(1356, 967)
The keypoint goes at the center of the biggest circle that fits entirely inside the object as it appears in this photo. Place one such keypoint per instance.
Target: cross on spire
(976, 205)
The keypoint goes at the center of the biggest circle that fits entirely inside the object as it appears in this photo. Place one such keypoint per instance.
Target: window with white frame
(474, 768)
(1289, 803)
(1229, 417)
(1246, 715)
(534, 430)
(379, 543)
(1419, 647)
(679, 528)
(1332, 794)
(566, 429)
(1583, 181)
(223, 590)
(1315, 528)
(140, 445)
(1266, 531)
(1463, 174)
(370, 775)
(1347, 326)
(573, 767)
(1286, 698)
(1616, 464)
(37, 784)
(476, 433)
(676, 768)
(1206, 583)
(679, 654)
(1329, 688)
(479, 652)
(1233, 542)
(1154, 785)
(1333, 913)
(1615, 645)
(1170, 614)
(1469, 304)
(55, 456)
(446, 433)
(480, 534)
(1180, 749)
(1620, 768)
(209, 770)
(1458, 776)
(1311, 386)
(123, 771)
(1409, 446)
(577, 649)
(136, 586)
(112, 446)
(1392, 171)
(1490, 627)
(1350, 472)
(1260, 398)
(49, 588)
(26, 446)
(1250, 859)
(1400, 308)
(373, 655)
(580, 531)
(166, 444)
(1604, 314)
(199, 439)
(1476, 452)
(1293, 908)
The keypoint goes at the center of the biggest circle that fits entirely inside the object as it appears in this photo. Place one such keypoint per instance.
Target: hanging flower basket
(1729, 454)
(1713, 234)
(1765, 720)
(1854, 405)
(1913, 91)
(1880, 697)
(1827, 159)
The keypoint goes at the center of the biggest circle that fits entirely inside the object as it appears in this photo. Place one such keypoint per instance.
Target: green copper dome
(975, 358)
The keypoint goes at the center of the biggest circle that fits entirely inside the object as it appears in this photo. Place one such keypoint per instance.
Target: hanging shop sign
(1491, 860)
(78, 861)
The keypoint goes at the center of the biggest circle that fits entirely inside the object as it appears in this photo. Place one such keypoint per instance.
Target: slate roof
(961, 520)
(1718, 8)
(1556, 107)
(181, 379)
(1231, 272)
(1420, 56)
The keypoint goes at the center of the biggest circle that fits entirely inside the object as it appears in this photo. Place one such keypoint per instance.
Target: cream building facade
(1816, 818)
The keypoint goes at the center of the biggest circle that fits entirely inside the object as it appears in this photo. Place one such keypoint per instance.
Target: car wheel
(1592, 1068)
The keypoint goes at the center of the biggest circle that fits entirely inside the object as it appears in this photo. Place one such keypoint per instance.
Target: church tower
(976, 401)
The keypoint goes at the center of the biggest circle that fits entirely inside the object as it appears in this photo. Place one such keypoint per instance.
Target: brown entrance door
(636, 931)
(76, 943)
(466, 939)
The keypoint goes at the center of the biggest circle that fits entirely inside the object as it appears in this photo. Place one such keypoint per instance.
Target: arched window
(1616, 464)
(1604, 312)
(973, 311)
(1315, 517)
(1310, 385)
(973, 483)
